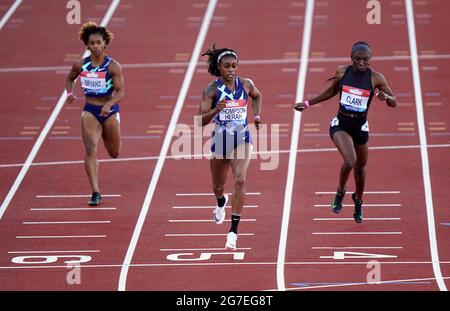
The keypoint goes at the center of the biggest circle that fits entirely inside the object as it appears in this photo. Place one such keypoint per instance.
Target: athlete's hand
(258, 121)
(300, 106)
(106, 109)
(70, 98)
(382, 96)
(220, 106)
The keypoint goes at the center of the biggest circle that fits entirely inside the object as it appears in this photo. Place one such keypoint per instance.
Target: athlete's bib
(93, 81)
(235, 110)
(354, 99)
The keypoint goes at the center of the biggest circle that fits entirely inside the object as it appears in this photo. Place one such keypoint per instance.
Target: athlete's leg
(362, 153)
(239, 166)
(344, 144)
(219, 173)
(91, 131)
(111, 135)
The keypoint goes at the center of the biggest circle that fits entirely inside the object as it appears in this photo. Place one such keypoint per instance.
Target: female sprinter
(349, 130)
(103, 85)
(225, 101)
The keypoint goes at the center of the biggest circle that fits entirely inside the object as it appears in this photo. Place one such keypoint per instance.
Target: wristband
(306, 104)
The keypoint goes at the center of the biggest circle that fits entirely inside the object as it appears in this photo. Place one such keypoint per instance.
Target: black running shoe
(95, 199)
(336, 206)
(358, 215)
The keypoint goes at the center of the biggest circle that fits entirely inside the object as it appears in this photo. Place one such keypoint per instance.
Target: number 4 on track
(350, 255)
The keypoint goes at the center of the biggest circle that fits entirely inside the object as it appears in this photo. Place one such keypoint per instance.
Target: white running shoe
(231, 240)
(219, 212)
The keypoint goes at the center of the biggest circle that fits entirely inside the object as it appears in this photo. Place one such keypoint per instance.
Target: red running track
(154, 44)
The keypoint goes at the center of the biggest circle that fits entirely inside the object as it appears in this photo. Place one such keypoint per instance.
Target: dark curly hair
(213, 58)
(92, 28)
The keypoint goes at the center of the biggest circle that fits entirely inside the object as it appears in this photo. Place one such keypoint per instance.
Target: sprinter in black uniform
(349, 130)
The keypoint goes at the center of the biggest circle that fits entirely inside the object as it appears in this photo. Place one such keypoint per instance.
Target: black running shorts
(357, 128)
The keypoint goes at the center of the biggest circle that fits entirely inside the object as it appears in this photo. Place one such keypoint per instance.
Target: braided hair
(215, 56)
(361, 46)
(92, 28)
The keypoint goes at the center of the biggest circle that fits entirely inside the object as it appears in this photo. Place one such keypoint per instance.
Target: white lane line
(72, 208)
(200, 249)
(210, 194)
(338, 219)
(167, 139)
(365, 192)
(59, 236)
(55, 252)
(423, 145)
(364, 205)
(192, 156)
(357, 247)
(307, 29)
(360, 233)
(9, 13)
(206, 220)
(210, 206)
(66, 222)
(202, 234)
(40, 140)
(62, 196)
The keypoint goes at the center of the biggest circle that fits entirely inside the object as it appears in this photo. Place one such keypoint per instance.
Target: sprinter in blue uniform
(349, 130)
(103, 86)
(225, 102)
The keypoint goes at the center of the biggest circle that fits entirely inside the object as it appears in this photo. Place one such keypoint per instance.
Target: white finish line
(59, 196)
(351, 233)
(202, 234)
(59, 236)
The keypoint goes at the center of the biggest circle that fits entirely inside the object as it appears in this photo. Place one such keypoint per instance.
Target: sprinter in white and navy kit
(103, 86)
(349, 130)
(230, 128)
(225, 102)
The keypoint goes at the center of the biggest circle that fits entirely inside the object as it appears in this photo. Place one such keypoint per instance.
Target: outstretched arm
(328, 93)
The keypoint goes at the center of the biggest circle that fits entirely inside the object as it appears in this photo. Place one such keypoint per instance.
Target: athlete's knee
(91, 149)
(113, 153)
(349, 163)
(239, 182)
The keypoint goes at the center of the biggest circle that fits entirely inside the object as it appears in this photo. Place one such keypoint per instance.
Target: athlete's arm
(119, 87)
(328, 93)
(73, 75)
(256, 96)
(385, 93)
(205, 112)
